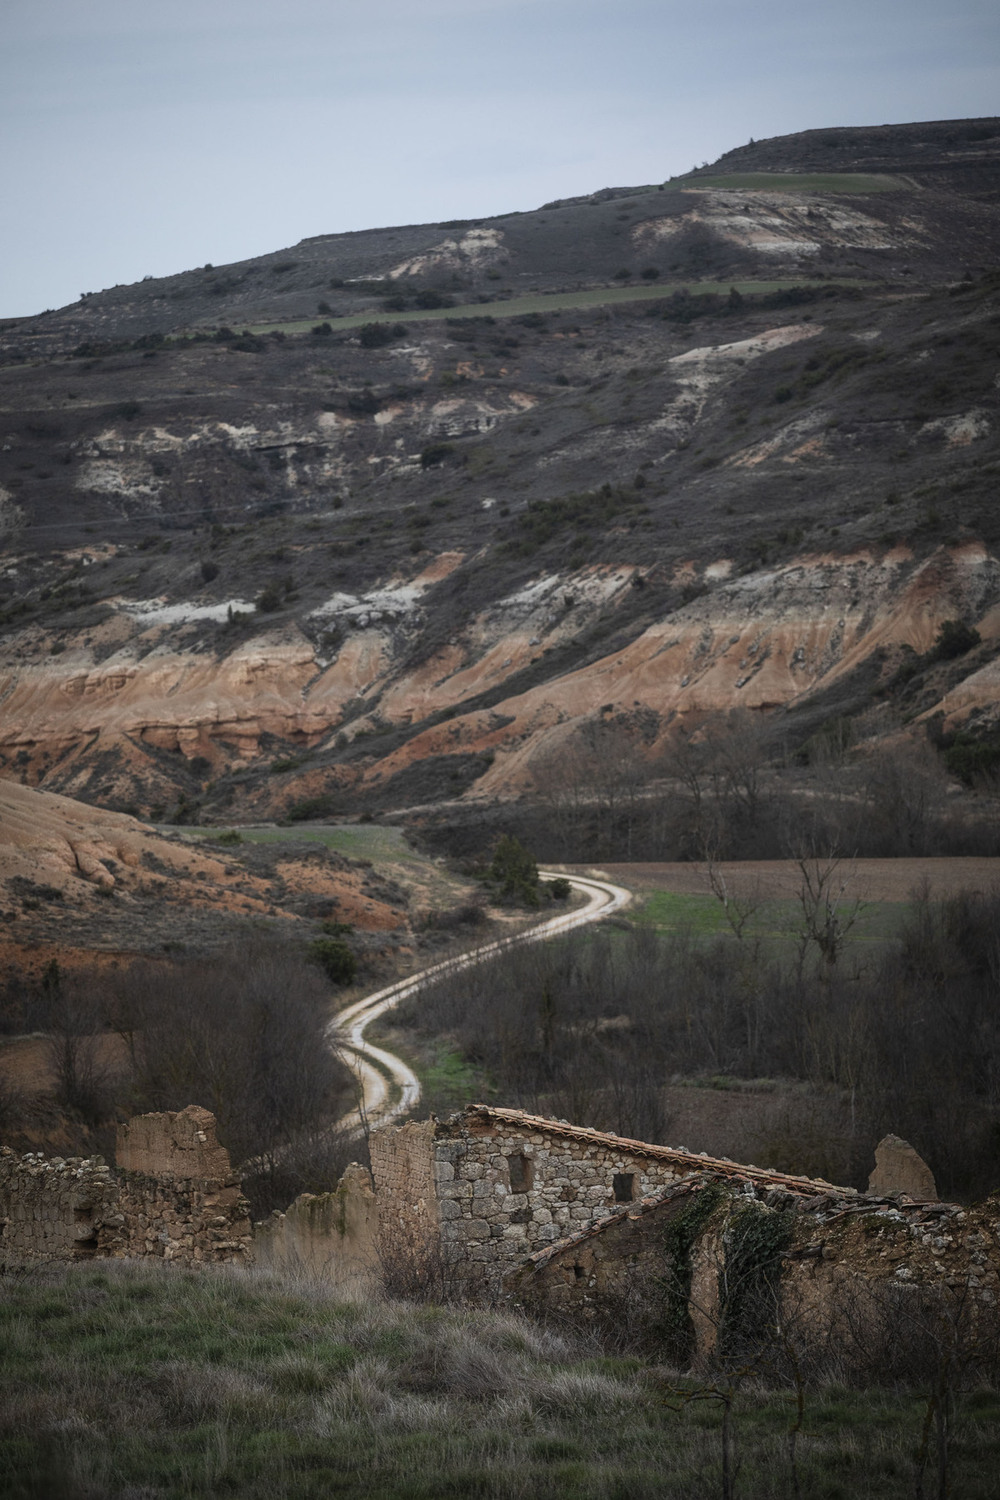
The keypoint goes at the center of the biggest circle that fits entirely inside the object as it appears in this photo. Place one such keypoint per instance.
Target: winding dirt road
(387, 1087)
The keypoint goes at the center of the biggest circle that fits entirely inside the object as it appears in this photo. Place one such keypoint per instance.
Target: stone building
(595, 1228)
(488, 1186)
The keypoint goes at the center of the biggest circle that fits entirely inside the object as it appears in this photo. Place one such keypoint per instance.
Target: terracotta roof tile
(693, 1161)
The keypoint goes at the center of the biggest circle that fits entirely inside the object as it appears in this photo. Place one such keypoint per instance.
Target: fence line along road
(378, 1072)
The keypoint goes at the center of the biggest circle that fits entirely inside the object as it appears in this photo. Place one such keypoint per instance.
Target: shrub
(514, 871)
(335, 959)
(651, 273)
(955, 638)
(378, 335)
(322, 330)
(310, 807)
(269, 599)
(560, 888)
(429, 298)
(209, 570)
(435, 453)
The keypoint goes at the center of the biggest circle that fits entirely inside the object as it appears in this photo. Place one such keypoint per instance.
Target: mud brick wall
(406, 1173)
(56, 1210)
(328, 1235)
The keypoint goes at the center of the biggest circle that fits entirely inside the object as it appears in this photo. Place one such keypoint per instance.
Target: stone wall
(175, 1198)
(489, 1186)
(328, 1235)
(56, 1209)
(852, 1270)
(178, 1196)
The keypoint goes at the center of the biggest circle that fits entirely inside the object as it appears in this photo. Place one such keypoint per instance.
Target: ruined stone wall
(408, 1177)
(328, 1235)
(192, 1211)
(178, 1195)
(502, 1189)
(855, 1274)
(56, 1210)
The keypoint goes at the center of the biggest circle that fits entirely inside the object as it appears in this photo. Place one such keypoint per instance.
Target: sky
(144, 137)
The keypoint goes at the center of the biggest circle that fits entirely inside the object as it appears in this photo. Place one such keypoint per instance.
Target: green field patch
(358, 840)
(876, 922)
(555, 302)
(796, 182)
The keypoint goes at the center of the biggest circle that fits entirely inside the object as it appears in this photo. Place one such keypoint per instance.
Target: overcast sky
(148, 136)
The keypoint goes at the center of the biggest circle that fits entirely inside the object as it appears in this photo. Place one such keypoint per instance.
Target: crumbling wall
(409, 1179)
(56, 1209)
(487, 1190)
(328, 1235)
(852, 1273)
(178, 1196)
(175, 1198)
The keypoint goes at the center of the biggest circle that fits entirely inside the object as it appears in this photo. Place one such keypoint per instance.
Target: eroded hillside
(411, 552)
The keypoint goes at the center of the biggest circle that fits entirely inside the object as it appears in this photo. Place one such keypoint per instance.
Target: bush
(309, 808)
(429, 298)
(209, 570)
(378, 335)
(560, 888)
(335, 959)
(514, 872)
(955, 638)
(435, 453)
(269, 599)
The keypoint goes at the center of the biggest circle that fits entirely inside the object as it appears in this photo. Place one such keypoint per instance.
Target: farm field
(678, 898)
(541, 302)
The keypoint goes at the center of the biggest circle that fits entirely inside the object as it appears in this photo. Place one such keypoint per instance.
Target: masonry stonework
(176, 1199)
(488, 1186)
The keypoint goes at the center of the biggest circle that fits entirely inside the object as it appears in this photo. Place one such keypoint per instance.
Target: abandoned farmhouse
(496, 1203)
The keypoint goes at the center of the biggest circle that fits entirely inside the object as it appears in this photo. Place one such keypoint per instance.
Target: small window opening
(522, 1173)
(624, 1186)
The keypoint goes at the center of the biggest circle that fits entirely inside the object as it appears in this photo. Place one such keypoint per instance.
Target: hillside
(392, 519)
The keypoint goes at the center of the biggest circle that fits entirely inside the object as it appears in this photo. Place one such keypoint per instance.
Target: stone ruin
(499, 1203)
(173, 1196)
(567, 1220)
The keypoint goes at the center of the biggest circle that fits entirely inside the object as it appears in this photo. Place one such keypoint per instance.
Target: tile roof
(691, 1160)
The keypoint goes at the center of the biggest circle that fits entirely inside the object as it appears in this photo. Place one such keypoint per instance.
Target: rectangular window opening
(624, 1186)
(522, 1173)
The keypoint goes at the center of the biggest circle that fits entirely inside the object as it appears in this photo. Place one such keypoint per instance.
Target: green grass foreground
(126, 1380)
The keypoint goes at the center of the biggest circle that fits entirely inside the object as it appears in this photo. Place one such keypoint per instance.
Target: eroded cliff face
(128, 705)
(250, 559)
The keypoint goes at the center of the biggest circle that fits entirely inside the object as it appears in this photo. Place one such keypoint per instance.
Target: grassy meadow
(142, 1381)
(543, 302)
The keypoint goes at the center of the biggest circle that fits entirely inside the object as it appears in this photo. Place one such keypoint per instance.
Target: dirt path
(386, 1085)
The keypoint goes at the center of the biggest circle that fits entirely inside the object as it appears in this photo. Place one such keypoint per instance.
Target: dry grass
(143, 1383)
